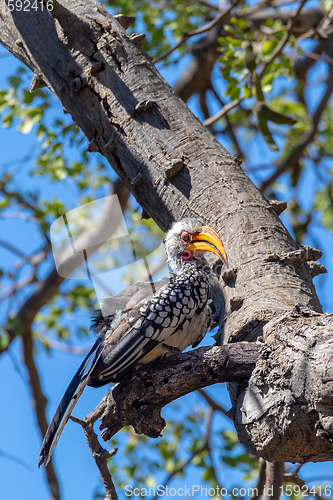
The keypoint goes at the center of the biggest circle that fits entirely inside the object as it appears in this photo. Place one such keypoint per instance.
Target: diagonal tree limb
(218, 19)
(46, 289)
(228, 107)
(138, 400)
(307, 137)
(213, 404)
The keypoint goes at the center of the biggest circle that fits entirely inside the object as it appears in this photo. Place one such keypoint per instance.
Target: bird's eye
(185, 236)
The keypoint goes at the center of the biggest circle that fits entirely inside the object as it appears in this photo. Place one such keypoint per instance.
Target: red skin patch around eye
(185, 236)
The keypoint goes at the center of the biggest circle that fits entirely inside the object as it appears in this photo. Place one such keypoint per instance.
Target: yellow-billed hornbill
(147, 320)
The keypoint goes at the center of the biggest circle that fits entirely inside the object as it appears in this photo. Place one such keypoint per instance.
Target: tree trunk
(176, 168)
(285, 412)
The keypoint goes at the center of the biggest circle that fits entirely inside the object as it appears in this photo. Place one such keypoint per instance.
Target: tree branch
(306, 20)
(213, 404)
(308, 136)
(44, 292)
(39, 402)
(274, 480)
(138, 400)
(140, 146)
(259, 487)
(101, 457)
(284, 40)
(200, 31)
(228, 107)
(12, 248)
(49, 287)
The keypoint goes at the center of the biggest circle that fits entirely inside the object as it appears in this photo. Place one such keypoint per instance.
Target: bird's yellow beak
(207, 240)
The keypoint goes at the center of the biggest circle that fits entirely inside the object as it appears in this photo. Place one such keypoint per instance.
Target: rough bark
(138, 400)
(286, 409)
(131, 115)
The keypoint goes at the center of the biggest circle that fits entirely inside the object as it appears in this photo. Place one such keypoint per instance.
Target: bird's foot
(170, 348)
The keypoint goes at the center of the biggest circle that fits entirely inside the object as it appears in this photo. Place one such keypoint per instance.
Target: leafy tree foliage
(266, 97)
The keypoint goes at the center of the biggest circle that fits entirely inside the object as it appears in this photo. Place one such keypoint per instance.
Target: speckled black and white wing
(172, 318)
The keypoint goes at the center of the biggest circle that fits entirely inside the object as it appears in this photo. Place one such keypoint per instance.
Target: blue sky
(19, 434)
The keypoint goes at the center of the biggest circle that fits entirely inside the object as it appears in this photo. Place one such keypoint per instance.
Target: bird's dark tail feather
(68, 402)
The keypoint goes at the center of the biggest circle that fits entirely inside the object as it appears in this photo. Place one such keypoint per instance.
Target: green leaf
(295, 174)
(268, 47)
(15, 323)
(262, 121)
(250, 56)
(15, 81)
(28, 97)
(247, 92)
(7, 121)
(258, 90)
(275, 117)
(233, 91)
(268, 79)
(4, 340)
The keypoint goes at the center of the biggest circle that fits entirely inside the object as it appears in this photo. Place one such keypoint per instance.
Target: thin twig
(18, 286)
(198, 31)
(324, 26)
(299, 466)
(284, 40)
(317, 57)
(212, 403)
(223, 111)
(306, 139)
(230, 127)
(12, 248)
(15, 459)
(61, 346)
(100, 455)
(20, 215)
(202, 449)
(292, 477)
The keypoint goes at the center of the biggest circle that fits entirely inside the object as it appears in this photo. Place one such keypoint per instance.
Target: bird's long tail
(68, 402)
